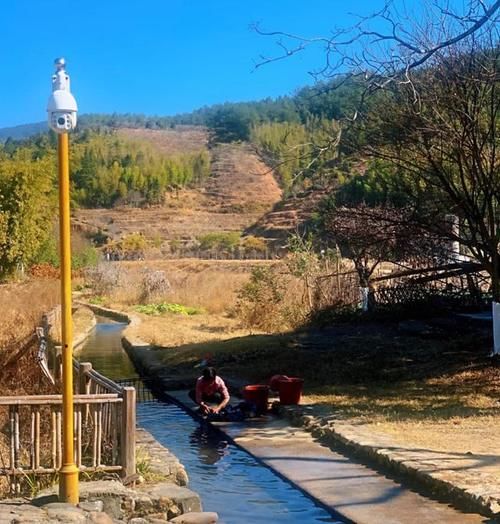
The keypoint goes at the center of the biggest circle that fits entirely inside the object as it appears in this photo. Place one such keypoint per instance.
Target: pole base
(68, 484)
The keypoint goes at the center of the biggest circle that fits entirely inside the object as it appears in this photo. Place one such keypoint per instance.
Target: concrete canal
(229, 480)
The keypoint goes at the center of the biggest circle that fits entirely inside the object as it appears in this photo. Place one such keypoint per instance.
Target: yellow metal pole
(68, 474)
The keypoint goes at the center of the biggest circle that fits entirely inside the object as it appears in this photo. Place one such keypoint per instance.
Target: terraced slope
(287, 216)
(240, 189)
(240, 178)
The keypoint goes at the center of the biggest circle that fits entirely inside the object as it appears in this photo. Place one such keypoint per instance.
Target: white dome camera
(61, 106)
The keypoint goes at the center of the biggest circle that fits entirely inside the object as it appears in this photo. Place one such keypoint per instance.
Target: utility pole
(62, 110)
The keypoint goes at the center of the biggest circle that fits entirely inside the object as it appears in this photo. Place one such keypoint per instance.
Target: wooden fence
(104, 428)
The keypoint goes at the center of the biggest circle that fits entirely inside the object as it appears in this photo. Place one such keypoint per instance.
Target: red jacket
(209, 388)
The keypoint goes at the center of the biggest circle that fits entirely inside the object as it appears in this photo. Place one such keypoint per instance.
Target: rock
(196, 517)
(131, 479)
(168, 494)
(143, 504)
(99, 518)
(157, 518)
(63, 512)
(494, 506)
(138, 520)
(22, 514)
(91, 505)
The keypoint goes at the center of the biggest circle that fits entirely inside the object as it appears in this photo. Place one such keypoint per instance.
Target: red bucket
(258, 395)
(274, 382)
(291, 390)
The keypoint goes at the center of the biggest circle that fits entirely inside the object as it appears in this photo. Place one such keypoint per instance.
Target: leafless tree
(446, 142)
(438, 118)
(389, 45)
(371, 235)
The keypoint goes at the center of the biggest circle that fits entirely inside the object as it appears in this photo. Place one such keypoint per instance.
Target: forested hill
(175, 181)
(22, 131)
(229, 121)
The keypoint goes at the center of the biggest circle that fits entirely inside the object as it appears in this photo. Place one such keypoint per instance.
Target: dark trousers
(216, 398)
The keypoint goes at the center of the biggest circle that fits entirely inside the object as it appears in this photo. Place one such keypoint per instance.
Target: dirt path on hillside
(241, 188)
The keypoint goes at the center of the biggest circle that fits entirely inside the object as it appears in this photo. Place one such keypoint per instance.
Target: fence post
(84, 379)
(127, 435)
(58, 362)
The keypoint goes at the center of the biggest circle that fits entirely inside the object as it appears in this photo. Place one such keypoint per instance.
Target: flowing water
(229, 480)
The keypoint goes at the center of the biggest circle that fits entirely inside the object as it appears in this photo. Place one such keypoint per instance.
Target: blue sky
(155, 56)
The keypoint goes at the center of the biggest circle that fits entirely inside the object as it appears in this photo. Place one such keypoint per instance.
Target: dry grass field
(452, 407)
(208, 284)
(439, 393)
(184, 218)
(22, 305)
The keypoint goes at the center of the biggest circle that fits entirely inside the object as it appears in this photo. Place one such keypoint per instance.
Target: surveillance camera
(62, 122)
(61, 106)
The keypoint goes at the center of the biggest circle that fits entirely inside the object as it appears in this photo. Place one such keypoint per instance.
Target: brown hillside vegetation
(240, 189)
(240, 178)
(182, 139)
(22, 306)
(183, 218)
(208, 284)
(288, 216)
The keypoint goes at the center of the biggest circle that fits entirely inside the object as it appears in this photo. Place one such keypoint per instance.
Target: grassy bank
(433, 388)
(438, 393)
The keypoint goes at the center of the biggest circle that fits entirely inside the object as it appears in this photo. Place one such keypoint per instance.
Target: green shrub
(48, 253)
(97, 300)
(220, 241)
(260, 300)
(88, 257)
(166, 307)
(254, 244)
(80, 259)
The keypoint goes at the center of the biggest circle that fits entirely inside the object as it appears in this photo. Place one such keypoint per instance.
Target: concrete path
(354, 491)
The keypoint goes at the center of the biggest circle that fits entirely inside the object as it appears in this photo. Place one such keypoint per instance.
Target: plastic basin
(290, 390)
(257, 394)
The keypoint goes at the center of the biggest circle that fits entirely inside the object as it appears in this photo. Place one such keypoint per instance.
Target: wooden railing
(104, 433)
(92, 383)
(104, 428)
(104, 420)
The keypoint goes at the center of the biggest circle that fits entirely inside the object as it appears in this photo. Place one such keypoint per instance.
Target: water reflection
(105, 351)
(211, 448)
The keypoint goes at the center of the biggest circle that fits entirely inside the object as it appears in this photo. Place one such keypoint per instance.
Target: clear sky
(155, 56)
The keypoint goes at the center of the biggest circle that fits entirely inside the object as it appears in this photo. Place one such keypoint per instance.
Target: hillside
(239, 190)
(287, 216)
(182, 139)
(22, 131)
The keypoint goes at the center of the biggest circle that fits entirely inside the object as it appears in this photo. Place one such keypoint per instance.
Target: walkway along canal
(229, 480)
(233, 483)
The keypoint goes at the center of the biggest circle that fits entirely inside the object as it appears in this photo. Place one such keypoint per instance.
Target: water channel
(229, 480)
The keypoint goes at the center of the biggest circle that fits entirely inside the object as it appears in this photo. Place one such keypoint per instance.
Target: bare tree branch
(405, 52)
